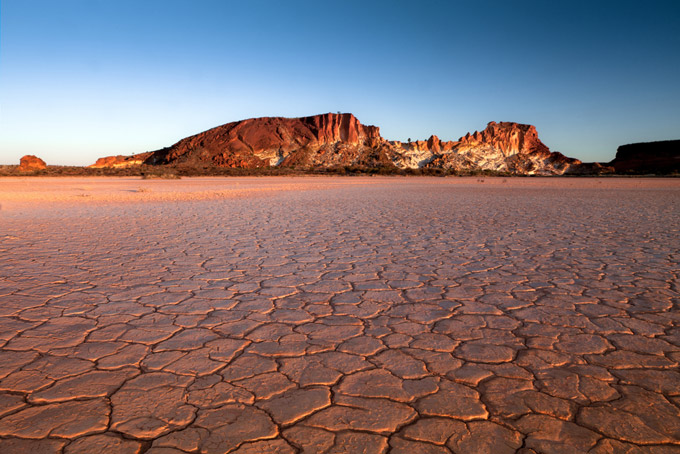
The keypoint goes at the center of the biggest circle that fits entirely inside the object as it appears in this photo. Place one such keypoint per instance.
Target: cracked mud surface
(350, 315)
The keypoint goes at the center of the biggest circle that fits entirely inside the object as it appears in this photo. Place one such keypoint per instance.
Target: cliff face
(331, 128)
(272, 141)
(506, 146)
(648, 157)
(506, 137)
(341, 140)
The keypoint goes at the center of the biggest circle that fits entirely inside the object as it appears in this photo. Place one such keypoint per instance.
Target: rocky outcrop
(273, 141)
(505, 147)
(331, 140)
(648, 157)
(592, 168)
(30, 163)
(506, 137)
(121, 161)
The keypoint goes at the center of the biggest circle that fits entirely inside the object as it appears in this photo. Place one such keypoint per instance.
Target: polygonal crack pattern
(378, 316)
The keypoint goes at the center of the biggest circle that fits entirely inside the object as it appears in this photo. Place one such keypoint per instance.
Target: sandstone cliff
(506, 146)
(330, 140)
(271, 141)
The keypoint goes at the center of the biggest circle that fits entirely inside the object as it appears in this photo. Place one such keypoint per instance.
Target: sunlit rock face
(506, 147)
(332, 140)
(510, 138)
(120, 161)
(29, 163)
(326, 140)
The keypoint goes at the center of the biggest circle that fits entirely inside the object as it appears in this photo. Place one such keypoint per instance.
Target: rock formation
(30, 163)
(121, 161)
(331, 140)
(505, 146)
(648, 157)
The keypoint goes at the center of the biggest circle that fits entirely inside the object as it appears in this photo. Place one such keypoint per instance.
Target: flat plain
(328, 315)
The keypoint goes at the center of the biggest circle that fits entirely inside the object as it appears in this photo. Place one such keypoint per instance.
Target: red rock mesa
(330, 140)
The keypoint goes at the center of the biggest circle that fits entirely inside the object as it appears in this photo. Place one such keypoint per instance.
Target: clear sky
(82, 79)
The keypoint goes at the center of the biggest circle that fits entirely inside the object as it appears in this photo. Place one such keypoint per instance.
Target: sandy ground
(28, 193)
(360, 314)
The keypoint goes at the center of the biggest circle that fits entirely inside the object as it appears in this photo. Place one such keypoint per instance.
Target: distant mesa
(335, 140)
(121, 161)
(30, 163)
(648, 157)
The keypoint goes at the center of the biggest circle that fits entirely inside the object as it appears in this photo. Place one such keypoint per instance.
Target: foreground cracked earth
(376, 315)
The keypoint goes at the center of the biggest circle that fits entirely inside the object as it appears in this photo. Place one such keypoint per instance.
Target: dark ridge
(661, 158)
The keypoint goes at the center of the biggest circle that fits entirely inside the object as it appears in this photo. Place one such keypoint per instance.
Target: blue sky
(85, 79)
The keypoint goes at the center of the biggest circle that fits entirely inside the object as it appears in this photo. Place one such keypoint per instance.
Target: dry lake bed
(329, 315)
